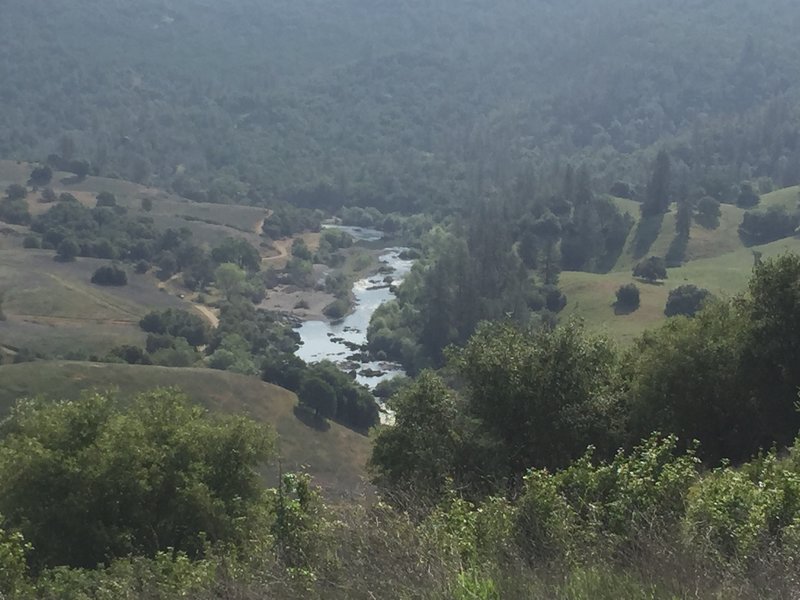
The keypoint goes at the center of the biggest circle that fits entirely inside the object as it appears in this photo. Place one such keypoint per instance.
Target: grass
(591, 296)
(335, 457)
(787, 198)
(52, 308)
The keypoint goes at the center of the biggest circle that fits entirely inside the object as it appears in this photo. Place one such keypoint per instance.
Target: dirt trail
(51, 320)
(208, 314)
(260, 225)
(282, 246)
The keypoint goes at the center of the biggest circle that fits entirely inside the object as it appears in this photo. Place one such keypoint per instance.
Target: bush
(764, 227)
(686, 300)
(337, 309)
(16, 192)
(31, 242)
(67, 250)
(708, 212)
(110, 275)
(748, 197)
(90, 480)
(651, 270)
(15, 212)
(739, 514)
(106, 199)
(628, 297)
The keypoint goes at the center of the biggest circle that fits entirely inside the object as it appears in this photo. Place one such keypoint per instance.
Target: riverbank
(344, 342)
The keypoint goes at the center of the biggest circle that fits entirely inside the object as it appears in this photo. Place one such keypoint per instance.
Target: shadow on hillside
(309, 419)
(646, 234)
(622, 311)
(656, 283)
(677, 251)
(72, 180)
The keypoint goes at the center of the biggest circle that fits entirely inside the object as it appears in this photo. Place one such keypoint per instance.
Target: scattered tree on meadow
(110, 275)
(628, 297)
(106, 199)
(657, 199)
(651, 270)
(41, 176)
(748, 197)
(239, 252)
(230, 280)
(686, 300)
(177, 323)
(16, 192)
(708, 212)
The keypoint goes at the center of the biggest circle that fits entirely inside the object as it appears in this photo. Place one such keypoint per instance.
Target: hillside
(51, 307)
(335, 457)
(397, 105)
(209, 223)
(715, 259)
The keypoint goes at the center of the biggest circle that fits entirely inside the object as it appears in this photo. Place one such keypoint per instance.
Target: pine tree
(658, 189)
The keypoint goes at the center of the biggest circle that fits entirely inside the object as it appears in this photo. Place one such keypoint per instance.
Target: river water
(337, 341)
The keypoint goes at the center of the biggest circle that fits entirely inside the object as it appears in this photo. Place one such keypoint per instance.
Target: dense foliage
(89, 481)
(400, 106)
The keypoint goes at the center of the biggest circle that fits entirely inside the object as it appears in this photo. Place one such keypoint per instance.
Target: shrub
(708, 212)
(763, 227)
(15, 212)
(110, 275)
(628, 297)
(67, 250)
(686, 300)
(738, 514)
(337, 309)
(90, 480)
(651, 270)
(31, 242)
(106, 199)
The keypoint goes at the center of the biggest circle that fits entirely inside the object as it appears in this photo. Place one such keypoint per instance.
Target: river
(338, 341)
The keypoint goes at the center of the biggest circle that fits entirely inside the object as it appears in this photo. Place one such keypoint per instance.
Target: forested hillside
(399, 105)
(444, 300)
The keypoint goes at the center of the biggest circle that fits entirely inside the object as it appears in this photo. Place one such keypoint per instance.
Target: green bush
(337, 309)
(91, 480)
(628, 297)
(110, 275)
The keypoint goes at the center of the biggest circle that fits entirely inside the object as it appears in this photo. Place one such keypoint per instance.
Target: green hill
(591, 296)
(51, 307)
(335, 457)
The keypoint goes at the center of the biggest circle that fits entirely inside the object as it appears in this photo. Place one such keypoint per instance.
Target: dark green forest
(403, 106)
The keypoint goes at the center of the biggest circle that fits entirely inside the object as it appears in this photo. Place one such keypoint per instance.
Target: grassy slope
(787, 198)
(52, 307)
(591, 296)
(715, 259)
(335, 457)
